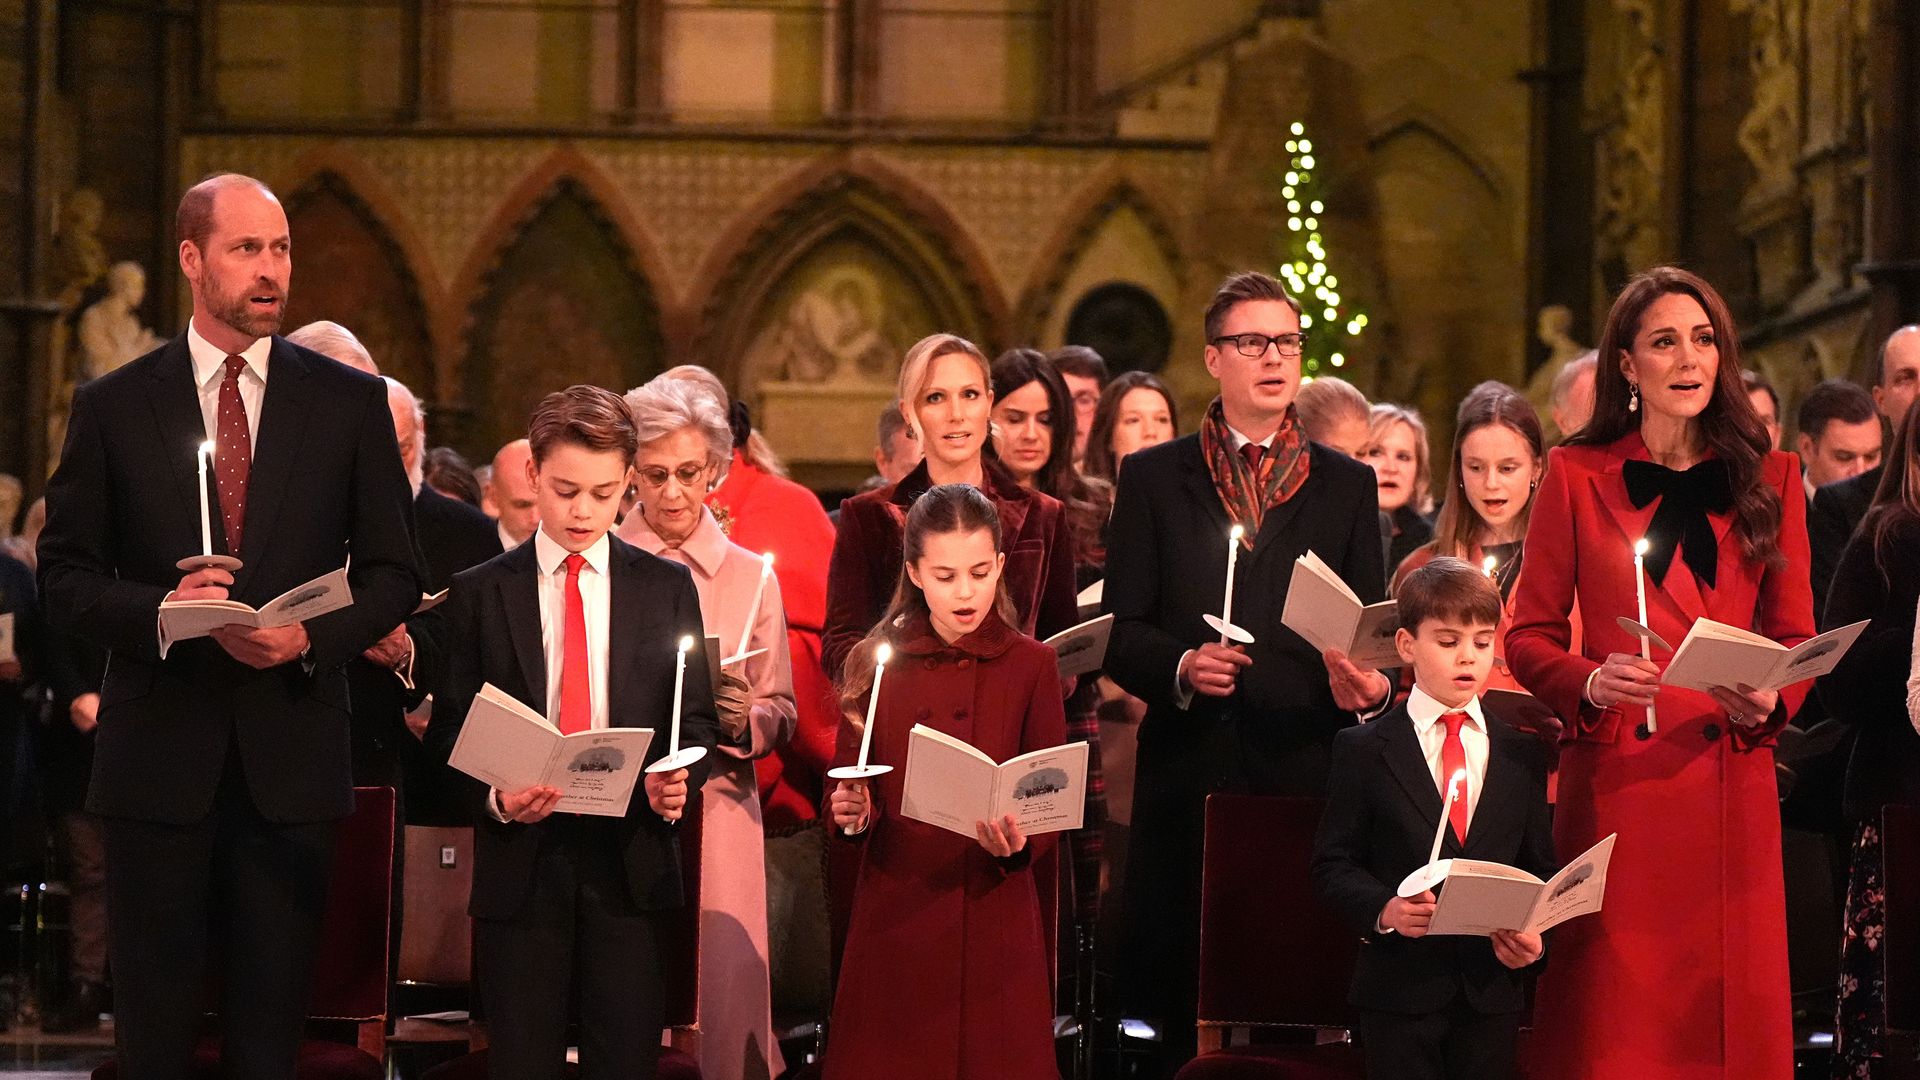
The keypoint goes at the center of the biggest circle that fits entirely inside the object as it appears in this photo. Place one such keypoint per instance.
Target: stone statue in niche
(832, 333)
(1631, 151)
(1554, 329)
(1770, 132)
(110, 331)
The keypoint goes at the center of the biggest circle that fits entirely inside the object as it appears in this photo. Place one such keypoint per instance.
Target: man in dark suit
(221, 764)
(581, 627)
(1435, 1008)
(1252, 719)
(1837, 509)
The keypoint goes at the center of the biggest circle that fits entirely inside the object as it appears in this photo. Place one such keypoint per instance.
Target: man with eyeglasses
(1257, 718)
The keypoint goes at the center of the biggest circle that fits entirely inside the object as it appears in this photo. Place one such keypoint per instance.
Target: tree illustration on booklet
(1329, 320)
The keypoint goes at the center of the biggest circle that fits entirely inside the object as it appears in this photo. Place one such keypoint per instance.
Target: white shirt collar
(1425, 711)
(209, 360)
(1240, 440)
(552, 558)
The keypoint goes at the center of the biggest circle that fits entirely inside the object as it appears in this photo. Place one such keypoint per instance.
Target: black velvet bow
(1686, 498)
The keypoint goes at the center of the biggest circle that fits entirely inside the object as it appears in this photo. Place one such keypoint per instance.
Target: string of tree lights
(1330, 320)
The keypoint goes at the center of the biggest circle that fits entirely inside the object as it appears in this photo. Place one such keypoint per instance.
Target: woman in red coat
(947, 396)
(763, 511)
(945, 971)
(1684, 975)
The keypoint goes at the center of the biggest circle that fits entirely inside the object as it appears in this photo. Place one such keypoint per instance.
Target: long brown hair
(1100, 461)
(943, 509)
(1458, 527)
(1728, 425)
(1087, 502)
(1897, 500)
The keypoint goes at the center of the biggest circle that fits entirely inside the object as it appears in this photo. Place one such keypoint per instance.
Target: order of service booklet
(1715, 654)
(510, 747)
(1478, 898)
(951, 784)
(182, 620)
(1322, 609)
(1083, 648)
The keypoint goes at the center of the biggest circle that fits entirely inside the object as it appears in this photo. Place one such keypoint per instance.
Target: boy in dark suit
(581, 626)
(1446, 1007)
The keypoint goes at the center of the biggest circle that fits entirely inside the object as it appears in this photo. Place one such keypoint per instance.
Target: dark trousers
(236, 882)
(85, 843)
(578, 937)
(1454, 1043)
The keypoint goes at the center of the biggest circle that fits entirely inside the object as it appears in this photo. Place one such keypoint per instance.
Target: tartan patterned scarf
(1248, 492)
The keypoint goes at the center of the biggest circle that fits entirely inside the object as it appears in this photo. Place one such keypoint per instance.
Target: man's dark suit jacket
(1166, 567)
(492, 620)
(325, 485)
(1836, 510)
(1382, 808)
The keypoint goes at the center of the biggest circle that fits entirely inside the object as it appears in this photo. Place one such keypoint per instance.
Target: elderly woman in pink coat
(685, 447)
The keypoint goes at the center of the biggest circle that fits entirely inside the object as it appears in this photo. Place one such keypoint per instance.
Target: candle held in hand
(1234, 536)
(880, 657)
(1640, 549)
(679, 685)
(206, 518)
(1454, 785)
(753, 609)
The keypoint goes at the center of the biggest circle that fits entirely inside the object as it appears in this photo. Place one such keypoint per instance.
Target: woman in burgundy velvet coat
(945, 971)
(946, 391)
(1684, 975)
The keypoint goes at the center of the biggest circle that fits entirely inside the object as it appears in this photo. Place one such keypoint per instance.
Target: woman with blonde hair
(946, 395)
(1396, 447)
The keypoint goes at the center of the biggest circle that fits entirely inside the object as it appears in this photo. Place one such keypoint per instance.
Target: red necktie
(1453, 759)
(1253, 452)
(232, 454)
(576, 684)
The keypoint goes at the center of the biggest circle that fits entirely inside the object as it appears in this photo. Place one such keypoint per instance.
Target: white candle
(1640, 547)
(679, 684)
(753, 609)
(1233, 556)
(204, 454)
(1454, 784)
(880, 657)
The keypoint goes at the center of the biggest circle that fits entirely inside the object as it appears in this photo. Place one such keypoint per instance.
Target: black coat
(1382, 809)
(1868, 688)
(326, 486)
(1836, 510)
(1166, 567)
(492, 622)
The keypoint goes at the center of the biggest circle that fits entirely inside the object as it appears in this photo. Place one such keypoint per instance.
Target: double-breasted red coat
(945, 971)
(1683, 976)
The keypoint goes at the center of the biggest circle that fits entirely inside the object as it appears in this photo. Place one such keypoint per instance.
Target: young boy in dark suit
(1435, 1007)
(582, 627)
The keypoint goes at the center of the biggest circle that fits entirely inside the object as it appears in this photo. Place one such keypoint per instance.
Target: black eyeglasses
(1255, 345)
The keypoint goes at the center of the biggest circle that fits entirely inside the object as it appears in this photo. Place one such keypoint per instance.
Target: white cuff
(405, 671)
(1182, 693)
(493, 806)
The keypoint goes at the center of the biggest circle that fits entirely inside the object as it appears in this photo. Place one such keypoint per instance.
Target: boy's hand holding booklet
(951, 784)
(183, 620)
(1476, 898)
(1322, 609)
(510, 747)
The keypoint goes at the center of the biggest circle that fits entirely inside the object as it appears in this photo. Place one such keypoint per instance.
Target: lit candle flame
(882, 654)
(686, 643)
(1489, 565)
(1641, 547)
(1237, 532)
(207, 447)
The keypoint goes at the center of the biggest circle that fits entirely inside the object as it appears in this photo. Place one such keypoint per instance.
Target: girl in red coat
(1684, 975)
(944, 976)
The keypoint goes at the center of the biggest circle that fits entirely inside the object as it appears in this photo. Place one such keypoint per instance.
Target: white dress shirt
(596, 597)
(1426, 712)
(210, 370)
(507, 542)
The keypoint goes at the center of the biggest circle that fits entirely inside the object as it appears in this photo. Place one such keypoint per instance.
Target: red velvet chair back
(1900, 853)
(1271, 954)
(351, 973)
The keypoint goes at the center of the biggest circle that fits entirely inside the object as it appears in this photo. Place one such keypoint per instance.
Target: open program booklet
(1322, 609)
(1715, 654)
(951, 784)
(1477, 898)
(509, 747)
(182, 620)
(1083, 648)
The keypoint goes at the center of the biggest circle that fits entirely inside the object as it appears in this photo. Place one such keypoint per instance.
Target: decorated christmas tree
(1329, 319)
